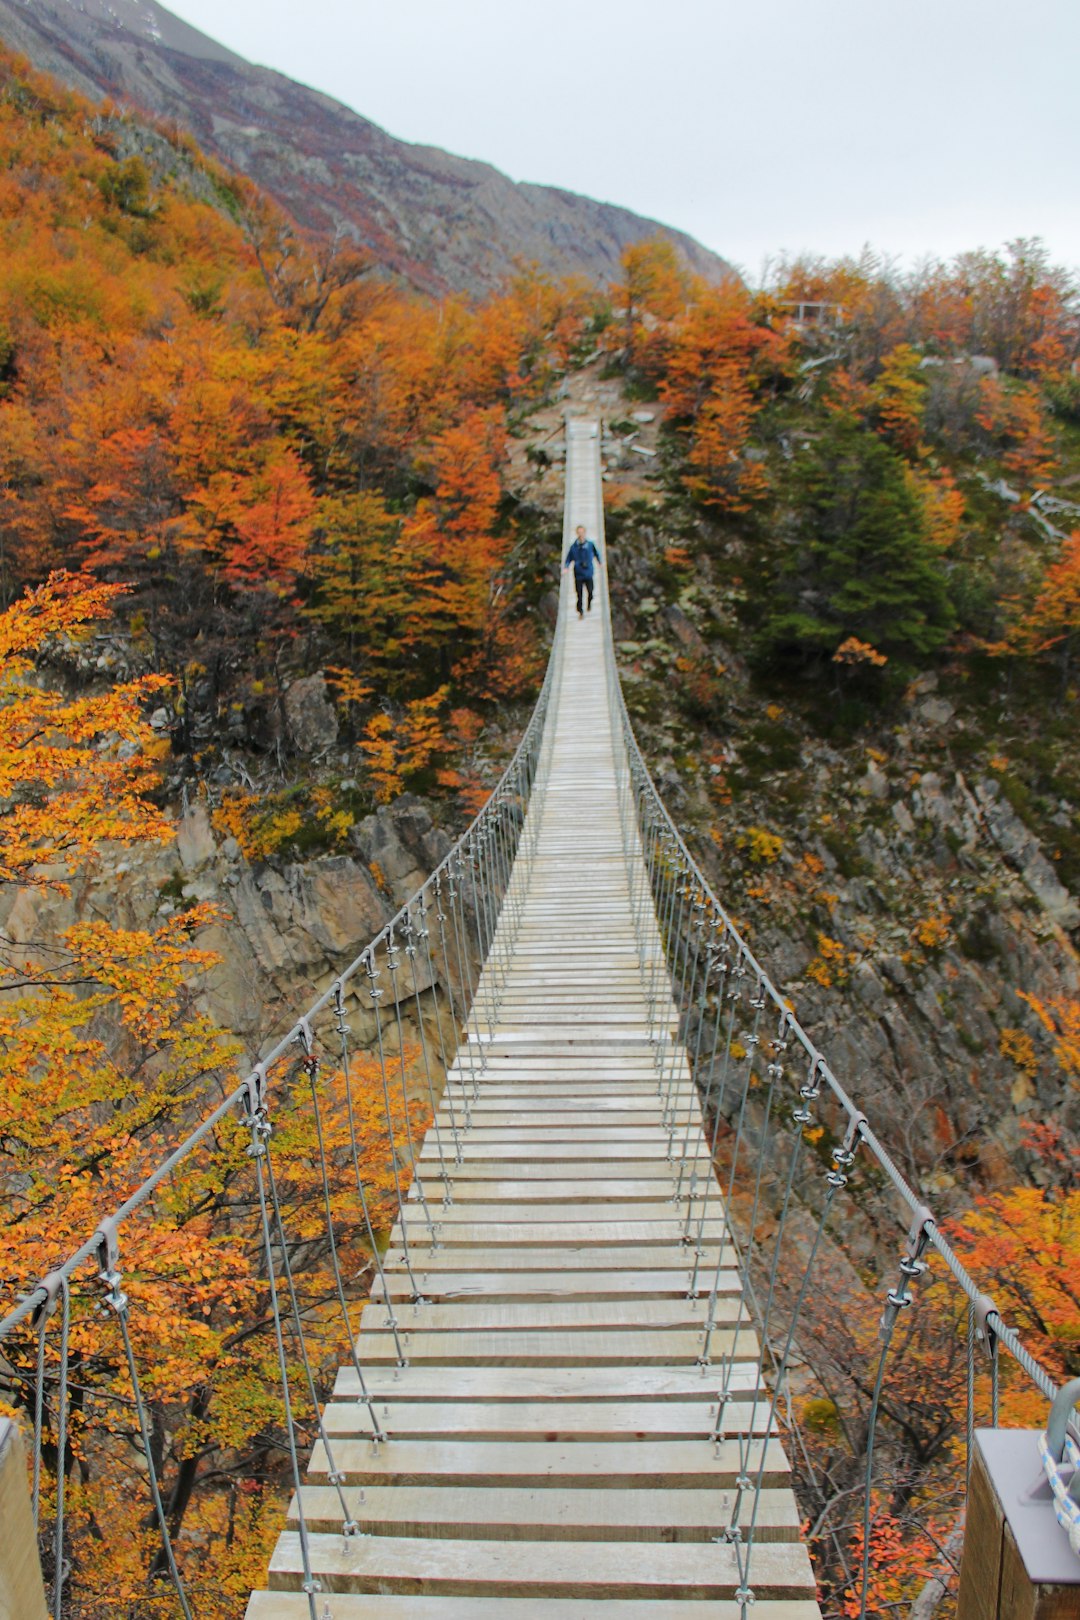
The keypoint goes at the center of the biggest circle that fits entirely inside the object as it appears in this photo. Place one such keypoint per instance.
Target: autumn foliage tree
(289, 462)
(1015, 421)
(74, 771)
(650, 293)
(105, 1057)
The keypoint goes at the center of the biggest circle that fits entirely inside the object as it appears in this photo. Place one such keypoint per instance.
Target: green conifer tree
(856, 561)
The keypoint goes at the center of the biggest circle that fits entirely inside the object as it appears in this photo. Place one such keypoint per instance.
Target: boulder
(935, 711)
(903, 818)
(195, 838)
(874, 784)
(305, 919)
(310, 717)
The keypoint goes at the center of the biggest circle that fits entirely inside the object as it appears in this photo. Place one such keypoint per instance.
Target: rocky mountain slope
(443, 222)
(883, 877)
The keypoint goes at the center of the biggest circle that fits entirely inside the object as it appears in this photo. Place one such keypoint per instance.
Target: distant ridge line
(444, 223)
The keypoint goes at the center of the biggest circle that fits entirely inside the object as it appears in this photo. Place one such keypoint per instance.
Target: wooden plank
(569, 1420)
(575, 1192)
(383, 1606)
(548, 1169)
(577, 1111)
(541, 1515)
(582, 1256)
(573, 1114)
(604, 1100)
(554, 1234)
(548, 1316)
(551, 1464)
(569, 1141)
(507, 1568)
(552, 1384)
(548, 1037)
(566, 1285)
(573, 1347)
(511, 1151)
(640, 1061)
(465, 1212)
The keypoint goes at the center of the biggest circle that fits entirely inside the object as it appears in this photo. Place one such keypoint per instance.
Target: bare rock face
(310, 716)
(400, 844)
(292, 928)
(443, 222)
(284, 931)
(917, 1032)
(1021, 849)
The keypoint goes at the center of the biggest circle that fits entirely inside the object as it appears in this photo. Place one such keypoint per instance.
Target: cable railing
(307, 1163)
(786, 1140)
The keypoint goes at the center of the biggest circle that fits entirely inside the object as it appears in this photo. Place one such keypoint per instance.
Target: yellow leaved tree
(106, 1061)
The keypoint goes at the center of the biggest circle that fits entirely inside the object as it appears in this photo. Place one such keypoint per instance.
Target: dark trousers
(583, 583)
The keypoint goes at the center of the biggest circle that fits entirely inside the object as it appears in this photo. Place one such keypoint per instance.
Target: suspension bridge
(556, 1433)
(567, 1393)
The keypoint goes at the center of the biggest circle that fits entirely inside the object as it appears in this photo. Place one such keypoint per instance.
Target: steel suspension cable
(339, 1286)
(354, 1151)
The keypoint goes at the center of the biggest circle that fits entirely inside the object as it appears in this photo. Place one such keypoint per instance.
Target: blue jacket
(581, 554)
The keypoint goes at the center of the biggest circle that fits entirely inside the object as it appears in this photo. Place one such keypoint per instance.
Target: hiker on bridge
(583, 554)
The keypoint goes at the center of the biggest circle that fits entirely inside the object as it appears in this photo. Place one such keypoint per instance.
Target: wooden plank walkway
(553, 1392)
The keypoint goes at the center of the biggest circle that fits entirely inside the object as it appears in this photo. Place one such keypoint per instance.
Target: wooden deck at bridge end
(549, 1453)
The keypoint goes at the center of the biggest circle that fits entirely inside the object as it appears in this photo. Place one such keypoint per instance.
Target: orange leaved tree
(106, 1058)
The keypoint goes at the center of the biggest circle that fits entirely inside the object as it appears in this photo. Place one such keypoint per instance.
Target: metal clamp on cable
(372, 976)
(809, 1091)
(987, 1322)
(254, 1105)
(844, 1155)
(107, 1249)
(50, 1287)
(912, 1265)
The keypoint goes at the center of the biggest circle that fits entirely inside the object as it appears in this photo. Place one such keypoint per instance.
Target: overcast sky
(762, 127)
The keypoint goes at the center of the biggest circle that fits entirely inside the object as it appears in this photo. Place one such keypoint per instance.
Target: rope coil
(1058, 1445)
(1066, 1508)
